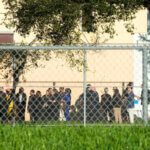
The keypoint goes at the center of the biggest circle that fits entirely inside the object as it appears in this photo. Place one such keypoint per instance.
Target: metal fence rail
(110, 47)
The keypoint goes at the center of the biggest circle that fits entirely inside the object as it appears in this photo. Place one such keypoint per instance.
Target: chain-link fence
(74, 85)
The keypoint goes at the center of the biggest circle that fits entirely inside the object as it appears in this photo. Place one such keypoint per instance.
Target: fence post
(145, 87)
(14, 85)
(123, 87)
(54, 85)
(84, 84)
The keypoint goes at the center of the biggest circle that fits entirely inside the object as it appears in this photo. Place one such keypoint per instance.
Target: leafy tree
(57, 22)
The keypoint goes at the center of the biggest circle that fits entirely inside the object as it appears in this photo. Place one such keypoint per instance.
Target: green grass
(74, 138)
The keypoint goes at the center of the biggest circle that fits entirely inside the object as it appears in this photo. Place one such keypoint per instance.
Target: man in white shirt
(21, 105)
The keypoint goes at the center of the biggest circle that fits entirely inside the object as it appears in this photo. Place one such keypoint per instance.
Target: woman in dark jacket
(53, 105)
(38, 104)
(116, 103)
(124, 112)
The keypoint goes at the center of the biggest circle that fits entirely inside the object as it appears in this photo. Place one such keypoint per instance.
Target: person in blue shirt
(67, 99)
(130, 104)
(130, 98)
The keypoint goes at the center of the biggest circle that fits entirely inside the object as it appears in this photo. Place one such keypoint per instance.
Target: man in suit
(92, 104)
(21, 104)
(32, 105)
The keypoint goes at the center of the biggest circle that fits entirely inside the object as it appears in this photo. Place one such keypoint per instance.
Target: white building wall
(137, 67)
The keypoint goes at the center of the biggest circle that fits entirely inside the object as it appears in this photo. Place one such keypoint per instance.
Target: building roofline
(6, 32)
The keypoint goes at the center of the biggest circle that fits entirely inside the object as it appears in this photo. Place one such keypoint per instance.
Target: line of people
(41, 108)
(56, 105)
(116, 108)
(53, 105)
(7, 104)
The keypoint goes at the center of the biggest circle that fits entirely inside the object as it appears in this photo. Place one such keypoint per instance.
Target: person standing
(38, 104)
(124, 111)
(53, 105)
(116, 103)
(106, 105)
(45, 111)
(67, 99)
(62, 104)
(10, 101)
(92, 104)
(96, 105)
(130, 104)
(21, 99)
(31, 105)
(79, 104)
(61, 92)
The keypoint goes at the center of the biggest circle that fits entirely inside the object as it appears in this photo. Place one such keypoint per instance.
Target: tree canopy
(58, 22)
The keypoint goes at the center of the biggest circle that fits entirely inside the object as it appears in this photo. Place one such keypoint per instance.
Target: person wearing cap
(21, 99)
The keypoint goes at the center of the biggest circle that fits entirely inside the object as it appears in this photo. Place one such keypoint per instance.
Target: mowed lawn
(74, 138)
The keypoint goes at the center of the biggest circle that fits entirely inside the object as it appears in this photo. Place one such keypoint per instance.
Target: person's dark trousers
(96, 115)
(108, 111)
(111, 114)
(21, 114)
(33, 117)
(105, 114)
(4, 116)
(44, 115)
(125, 114)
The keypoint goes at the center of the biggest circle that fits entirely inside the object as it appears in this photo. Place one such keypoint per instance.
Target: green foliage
(66, 138)
(57, 22)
